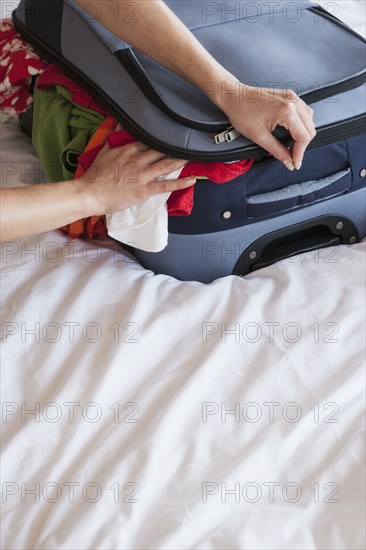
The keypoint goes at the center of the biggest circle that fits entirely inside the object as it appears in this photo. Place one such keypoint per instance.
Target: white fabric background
(164, 362)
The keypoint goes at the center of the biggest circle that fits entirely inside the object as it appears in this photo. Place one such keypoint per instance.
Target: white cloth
(145, 225)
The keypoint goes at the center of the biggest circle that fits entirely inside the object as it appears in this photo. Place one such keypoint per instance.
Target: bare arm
(157, 32)
(38, 208)
(106, 187)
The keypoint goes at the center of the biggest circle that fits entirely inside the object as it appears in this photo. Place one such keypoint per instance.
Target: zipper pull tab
(227, 135)
(231, 135)
(220, 138)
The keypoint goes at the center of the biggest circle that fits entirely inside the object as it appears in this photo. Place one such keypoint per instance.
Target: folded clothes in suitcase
(268, 213)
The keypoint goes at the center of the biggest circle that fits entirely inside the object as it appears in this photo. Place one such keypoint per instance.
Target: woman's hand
(255, 113)
(117, 179)
(124, 176)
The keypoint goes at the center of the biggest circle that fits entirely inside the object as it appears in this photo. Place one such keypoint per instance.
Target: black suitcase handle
(320, 232)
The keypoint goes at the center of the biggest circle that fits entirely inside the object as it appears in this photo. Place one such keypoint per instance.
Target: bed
(141, 412)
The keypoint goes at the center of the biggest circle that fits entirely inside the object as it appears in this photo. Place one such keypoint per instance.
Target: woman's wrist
(88, 200)
(224, 90)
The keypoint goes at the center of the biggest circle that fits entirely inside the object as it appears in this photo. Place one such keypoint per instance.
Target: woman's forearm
(34, 209)
(151, 27)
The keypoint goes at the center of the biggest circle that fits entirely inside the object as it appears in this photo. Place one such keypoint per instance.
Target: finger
(306, 119)
(306, 114)
(151, 156)
(137, 147)
(165, 166)
(299, 148)
(309, 109)
(172, 163)
(309, 124)
(274, 147)
(300, 136)
(168, 186)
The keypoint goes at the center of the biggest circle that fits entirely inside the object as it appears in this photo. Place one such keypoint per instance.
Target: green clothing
(61, 131)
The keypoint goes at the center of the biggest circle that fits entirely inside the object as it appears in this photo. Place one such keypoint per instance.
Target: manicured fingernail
(297, 165)
(290, 166)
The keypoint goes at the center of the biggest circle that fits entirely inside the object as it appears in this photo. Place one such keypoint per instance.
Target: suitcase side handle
(320, 232)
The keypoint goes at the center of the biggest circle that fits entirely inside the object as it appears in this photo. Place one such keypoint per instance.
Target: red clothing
(180, 203)
(18, 64)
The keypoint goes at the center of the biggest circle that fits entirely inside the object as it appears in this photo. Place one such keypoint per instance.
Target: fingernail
(190, 180)
(289, 165)
(297, 165)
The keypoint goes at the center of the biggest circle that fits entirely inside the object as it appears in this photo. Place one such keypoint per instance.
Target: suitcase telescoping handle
(320, 232)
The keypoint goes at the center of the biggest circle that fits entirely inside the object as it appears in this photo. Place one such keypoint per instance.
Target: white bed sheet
(142, 412)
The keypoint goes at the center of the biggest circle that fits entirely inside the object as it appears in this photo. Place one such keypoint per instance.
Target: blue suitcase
(268, 213)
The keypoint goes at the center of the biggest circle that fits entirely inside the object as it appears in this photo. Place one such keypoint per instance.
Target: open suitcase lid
(277, 44)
